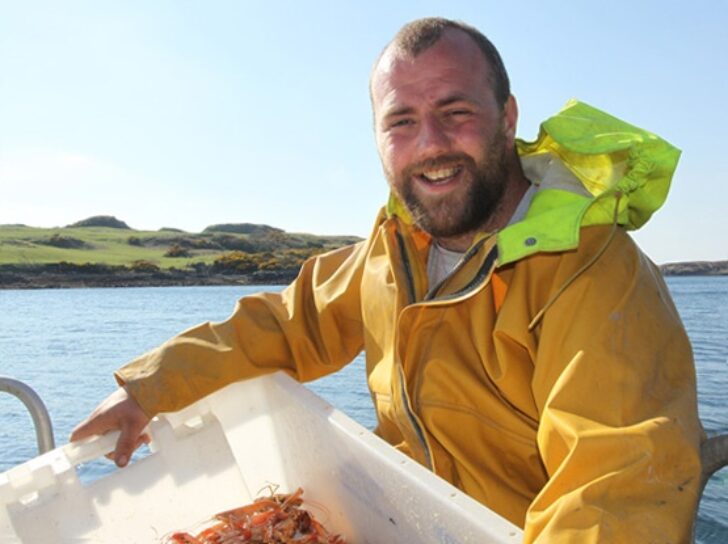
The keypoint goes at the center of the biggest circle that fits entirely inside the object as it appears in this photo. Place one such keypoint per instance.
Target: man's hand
(119, 411)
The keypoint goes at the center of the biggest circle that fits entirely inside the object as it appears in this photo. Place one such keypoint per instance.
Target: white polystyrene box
(219, 453)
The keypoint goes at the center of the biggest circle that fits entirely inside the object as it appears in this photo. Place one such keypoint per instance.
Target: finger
(132, 435)
(105, 417)
(101, 420)
(129, 440)
(90, 427)
(144, 438)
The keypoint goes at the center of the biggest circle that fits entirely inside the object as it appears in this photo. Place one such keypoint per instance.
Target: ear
(510, 119)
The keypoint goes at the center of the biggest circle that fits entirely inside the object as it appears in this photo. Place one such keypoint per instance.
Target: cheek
(475, 143)
(391, 154)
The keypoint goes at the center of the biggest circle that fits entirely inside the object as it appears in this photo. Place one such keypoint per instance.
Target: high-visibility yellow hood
(583, 162)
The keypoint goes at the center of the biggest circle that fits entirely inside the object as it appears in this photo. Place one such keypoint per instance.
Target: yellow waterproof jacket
(549, 376)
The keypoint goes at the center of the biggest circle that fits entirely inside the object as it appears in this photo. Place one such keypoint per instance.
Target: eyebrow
(403, 110)
(453, 98)
(448, 100)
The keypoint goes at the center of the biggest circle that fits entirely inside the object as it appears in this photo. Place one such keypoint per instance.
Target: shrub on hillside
(257, 243)
(235, 243)
(144, 266)
(241, 228)
(200, 268)
(177, 250)
(235, 262)
(101, 221)
(189, 242)
(82, 268)
(289, 259)
(64, 242)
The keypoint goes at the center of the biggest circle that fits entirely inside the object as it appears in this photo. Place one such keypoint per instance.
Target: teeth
(440, 174)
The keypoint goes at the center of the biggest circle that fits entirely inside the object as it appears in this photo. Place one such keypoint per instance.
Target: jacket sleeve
(310, 329)
(614, 383)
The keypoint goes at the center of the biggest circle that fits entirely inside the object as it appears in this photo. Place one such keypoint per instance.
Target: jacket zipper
(430, 297)
(411, 296)
(413, 420)
(412, 299)
(409, 276)
(482, 273)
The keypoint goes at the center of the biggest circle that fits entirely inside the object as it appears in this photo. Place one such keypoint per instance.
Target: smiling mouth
(440, 176)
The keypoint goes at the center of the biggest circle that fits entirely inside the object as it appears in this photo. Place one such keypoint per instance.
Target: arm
(614, 384)
(310, 329)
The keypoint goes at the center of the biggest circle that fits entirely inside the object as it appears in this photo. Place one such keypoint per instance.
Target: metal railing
(38, 411)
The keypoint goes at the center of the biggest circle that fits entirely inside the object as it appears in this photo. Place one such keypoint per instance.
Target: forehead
(454, 64)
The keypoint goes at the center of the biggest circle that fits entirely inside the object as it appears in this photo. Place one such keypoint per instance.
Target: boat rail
(38, 411)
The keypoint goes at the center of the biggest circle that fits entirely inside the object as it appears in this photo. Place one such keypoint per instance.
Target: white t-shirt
(441, 261)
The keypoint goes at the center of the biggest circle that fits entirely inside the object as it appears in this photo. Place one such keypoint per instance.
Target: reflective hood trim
(607, 156)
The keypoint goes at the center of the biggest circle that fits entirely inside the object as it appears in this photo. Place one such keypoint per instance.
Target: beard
(462, 211)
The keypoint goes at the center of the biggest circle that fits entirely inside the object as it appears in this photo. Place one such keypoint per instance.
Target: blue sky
(184, 114)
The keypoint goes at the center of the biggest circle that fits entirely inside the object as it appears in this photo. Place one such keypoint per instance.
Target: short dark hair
(421, 34)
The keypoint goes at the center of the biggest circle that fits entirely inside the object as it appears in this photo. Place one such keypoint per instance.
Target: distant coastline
(695, 268)
(103, 251)
(53, 276)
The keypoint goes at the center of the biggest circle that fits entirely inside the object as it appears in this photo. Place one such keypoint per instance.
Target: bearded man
(517, 341)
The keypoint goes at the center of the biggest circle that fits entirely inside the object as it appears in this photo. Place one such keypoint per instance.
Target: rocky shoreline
(696, 268)
(56, 277)
(63, 275)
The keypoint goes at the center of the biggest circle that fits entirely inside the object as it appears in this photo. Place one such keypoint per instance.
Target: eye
(460, 112)
(403, 122)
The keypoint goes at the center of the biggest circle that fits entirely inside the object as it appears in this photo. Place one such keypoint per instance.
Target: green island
(102, 251)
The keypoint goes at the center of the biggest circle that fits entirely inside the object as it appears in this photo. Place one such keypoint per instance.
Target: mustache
(440, 161)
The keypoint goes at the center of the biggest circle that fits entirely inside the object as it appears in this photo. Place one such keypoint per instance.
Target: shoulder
(602, 250)
(606, 267)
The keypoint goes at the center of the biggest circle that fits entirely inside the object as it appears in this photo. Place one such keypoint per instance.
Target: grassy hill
(31, 256)
(166, 248)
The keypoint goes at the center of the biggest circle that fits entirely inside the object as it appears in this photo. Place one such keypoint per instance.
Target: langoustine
(277, 519)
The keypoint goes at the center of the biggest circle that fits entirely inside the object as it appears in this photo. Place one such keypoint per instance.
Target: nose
(432, 137)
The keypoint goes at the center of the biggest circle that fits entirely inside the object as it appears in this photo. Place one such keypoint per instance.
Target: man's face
(442, 138)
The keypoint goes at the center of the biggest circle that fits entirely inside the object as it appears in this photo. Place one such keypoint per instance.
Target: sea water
(66, 343)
